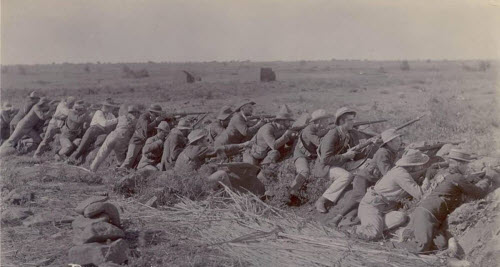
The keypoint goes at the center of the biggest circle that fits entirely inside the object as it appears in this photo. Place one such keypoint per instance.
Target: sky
(46, 31)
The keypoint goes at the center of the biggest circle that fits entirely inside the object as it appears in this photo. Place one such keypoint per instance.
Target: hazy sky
(45, 31)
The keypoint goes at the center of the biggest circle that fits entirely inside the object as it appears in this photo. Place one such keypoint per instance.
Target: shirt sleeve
(100, 119)
(271, 141)
(406, 182)
(40, 113)
(241, 126)
(152, 144)
(312, 136)
(327, 149)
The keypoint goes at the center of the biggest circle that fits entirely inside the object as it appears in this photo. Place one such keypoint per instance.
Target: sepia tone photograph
(250, 133)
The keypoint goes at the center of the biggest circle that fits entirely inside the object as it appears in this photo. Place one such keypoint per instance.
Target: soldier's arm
(409, 185)
(271, 141)
(327, 152)
(152, 145)
(383, 161)
(43, 115)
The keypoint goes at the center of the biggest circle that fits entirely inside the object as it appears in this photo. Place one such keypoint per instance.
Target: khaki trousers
(114, 142)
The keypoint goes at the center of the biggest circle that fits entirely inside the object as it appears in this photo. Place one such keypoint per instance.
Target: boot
(297, 184)
(320, 204)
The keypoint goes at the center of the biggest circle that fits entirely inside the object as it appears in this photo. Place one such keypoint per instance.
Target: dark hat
(164, 126)
(34, 94)
(460, 155)
(412, 157)
(155, 108)
(110, 103)
(184, 124)
(133, 109)
(244, 103)
(224, 113)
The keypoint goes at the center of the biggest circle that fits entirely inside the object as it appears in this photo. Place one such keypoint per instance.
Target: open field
(461, 104)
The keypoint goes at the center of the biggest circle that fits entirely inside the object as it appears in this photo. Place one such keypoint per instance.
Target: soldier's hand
(247, 144)
(349, 154)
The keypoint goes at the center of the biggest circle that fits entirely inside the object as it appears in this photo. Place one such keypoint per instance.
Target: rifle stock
(258, 117)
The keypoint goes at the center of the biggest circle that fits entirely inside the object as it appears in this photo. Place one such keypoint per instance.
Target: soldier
(153, 149)
(427, 219)
(174, 144)
(6, 115)
(145, 128)
(268, 145)
(382, 162)
(220, 124)
(118, 139)
(197, 150)
(238, 129)
(55, 124)
(335, 155)
(307, 144)
(102, 122)
(33, 98)
(376, 209)
(72, 129)
(240, 177)
(26, 127)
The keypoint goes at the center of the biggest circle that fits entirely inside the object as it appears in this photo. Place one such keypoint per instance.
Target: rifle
(409, 123)
(258, 117)
(361, 123)
(184, 114)
(438, 145)
(200, 120)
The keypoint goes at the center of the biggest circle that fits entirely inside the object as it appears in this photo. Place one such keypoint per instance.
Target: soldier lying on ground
(118, 139)
(174, 144)
(55, 125)
(239, 176)
(197, 150)
(335, 158)
(377, 208)
(270, 142)
(306, 147)
(153, 149)
(427, 219)
(239, 129)
(220, 124)
(145, 128)
(369, 174)
(31, 100)
(26, 127)
(103, 122)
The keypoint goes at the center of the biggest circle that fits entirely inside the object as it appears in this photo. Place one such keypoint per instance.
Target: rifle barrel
(361, 123)
(409, 123)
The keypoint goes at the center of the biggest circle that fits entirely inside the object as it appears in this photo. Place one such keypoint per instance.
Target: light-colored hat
(412, 157)
(70, 99)
(388, 135)
(460, 155)
(7, 106)
(224, 113)
(34, 94)
(110, 103)
(133, 109)
(184, 125)
(155, 108)
(244, 103)
(284, 113)
(320, 114)
(164, 126)
(197, 135)
(342, 111)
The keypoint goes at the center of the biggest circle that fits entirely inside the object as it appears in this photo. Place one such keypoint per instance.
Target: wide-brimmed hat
(133, 109)
(320, 114)
(342, 111)
(7, 106)
(70, 99)
(388, 135)
(197, 135)
(79, 105)
(155, 108)
(34, 94)
(244, 103)
(412, 157)
(184, 125)
(163, 126)
(224, 113)
(460, 155)
(284, 113)
(110, 103)
(95, 106)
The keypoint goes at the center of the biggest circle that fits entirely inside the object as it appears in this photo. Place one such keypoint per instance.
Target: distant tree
(405, 65)
(5, 69)
(87, 68)
(21, 70)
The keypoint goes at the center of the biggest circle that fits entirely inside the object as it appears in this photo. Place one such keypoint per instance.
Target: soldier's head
(344, 117)
(246, 107)
(109, 105)
(34, 97)
(321, 118)
(458, 160)
(70, 101)
(413, 160)
(79, 106)
(284, 117)
(163, 130)
(225, 115)
(391, 139)
(155, 110)
(8, 108)
(133, 110)
(184, 126)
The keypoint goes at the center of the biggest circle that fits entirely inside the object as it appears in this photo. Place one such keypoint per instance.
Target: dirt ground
(461, 104)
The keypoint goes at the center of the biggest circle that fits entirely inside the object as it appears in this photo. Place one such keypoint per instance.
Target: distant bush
(86, 69)
(21, 70)
(129, 73)
(405, 65)
(5, 70)
(484, 65)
